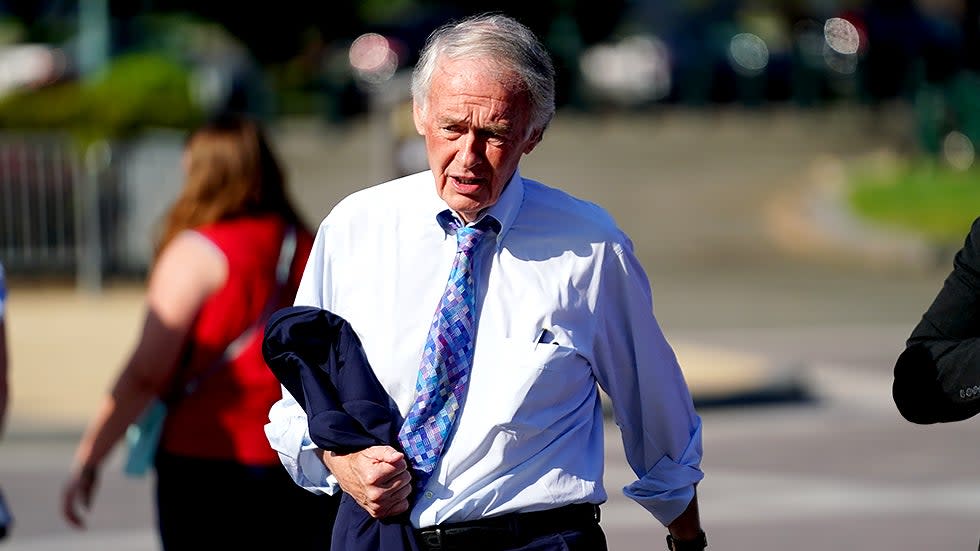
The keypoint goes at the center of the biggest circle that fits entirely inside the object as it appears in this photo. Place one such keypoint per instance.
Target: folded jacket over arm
(318, 358)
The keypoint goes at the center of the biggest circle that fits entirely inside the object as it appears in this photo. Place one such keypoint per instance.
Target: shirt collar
(503, 212)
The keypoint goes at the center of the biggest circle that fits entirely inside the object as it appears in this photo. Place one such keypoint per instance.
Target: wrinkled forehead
(477, 68)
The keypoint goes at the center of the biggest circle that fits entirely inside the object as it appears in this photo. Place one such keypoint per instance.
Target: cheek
(504, 162)
(440, 153)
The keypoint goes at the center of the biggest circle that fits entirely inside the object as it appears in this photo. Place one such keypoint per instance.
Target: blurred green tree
(131, 93)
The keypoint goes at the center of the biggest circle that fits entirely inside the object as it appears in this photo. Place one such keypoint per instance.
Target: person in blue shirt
(4, 367)
(540, 302)
(6, 519)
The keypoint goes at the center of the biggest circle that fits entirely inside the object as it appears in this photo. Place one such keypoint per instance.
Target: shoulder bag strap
(286, 253)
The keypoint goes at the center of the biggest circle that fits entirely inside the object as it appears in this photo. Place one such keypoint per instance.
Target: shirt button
(428, 495)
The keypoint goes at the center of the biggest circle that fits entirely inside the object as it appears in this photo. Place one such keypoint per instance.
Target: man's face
(475, 130)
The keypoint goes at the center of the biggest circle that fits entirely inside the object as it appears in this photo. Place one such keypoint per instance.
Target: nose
(471, 150)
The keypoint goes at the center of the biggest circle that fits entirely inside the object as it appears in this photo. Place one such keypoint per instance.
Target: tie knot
(468, 237)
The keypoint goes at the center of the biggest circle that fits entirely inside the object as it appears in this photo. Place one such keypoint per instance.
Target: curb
(812, 220)
(720, 377)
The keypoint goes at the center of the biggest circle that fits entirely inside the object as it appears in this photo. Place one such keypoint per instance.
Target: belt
(508, 529)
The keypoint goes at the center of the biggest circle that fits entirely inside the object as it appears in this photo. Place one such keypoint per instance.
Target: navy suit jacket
(318, 358)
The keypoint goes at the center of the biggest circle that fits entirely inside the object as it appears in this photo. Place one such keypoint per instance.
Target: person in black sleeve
(937, 376)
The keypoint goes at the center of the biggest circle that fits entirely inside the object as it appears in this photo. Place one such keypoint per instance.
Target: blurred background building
(95, 94)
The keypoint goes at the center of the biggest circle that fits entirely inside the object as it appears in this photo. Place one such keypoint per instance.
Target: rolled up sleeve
(667, 488)
(288, 434)
(651, 402)
(288, 428)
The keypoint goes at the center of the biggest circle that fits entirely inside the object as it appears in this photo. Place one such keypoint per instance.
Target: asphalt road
(836, 470)
(841, 469)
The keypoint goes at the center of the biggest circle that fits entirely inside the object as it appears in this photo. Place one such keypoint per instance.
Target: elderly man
(502, 442)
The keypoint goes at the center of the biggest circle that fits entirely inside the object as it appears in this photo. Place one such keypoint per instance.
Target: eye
(493, 138)
(452, 130)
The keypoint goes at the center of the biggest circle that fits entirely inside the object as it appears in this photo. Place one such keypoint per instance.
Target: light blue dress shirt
(563, 305)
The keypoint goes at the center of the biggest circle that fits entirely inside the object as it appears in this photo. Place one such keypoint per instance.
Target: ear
(534, 141)
(417, 117)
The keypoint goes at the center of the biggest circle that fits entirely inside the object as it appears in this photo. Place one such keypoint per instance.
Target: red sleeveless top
(225, 417)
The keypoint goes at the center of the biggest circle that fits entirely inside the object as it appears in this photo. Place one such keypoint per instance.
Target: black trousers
(208, 504)
(569, 528)
(587, 538)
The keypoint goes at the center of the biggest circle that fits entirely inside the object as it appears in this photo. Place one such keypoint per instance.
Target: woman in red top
(214, 275)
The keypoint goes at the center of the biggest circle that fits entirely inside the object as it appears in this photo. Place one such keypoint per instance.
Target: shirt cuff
(667, 489)
(288, 436)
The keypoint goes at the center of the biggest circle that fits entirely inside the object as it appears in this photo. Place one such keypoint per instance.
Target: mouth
(466, 185)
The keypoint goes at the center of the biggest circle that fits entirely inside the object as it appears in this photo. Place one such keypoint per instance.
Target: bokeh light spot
(958, 150)
(842, 36)
(749, 53)
(372, 58)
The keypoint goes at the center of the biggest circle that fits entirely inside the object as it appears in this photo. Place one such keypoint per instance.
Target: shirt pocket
(524, 387)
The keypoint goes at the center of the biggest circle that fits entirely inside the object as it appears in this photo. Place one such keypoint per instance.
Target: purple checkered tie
(446, 363)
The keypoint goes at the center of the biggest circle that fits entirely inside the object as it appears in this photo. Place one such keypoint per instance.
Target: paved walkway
(65, 349)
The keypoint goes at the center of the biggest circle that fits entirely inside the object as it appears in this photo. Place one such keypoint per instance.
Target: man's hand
(377, 478)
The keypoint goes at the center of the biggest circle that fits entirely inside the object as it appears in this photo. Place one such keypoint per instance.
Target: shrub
(132, 93)
(924, 196)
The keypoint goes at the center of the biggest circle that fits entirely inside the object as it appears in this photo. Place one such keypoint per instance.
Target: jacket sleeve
(937, 376)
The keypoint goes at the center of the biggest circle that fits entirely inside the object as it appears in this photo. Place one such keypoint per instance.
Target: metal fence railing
(86, 213)
(39, 186)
